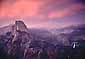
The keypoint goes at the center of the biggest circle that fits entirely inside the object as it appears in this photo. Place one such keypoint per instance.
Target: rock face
(19, 25)
(19, 30)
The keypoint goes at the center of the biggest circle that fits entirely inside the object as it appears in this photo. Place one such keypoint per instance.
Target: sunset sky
(43, 13)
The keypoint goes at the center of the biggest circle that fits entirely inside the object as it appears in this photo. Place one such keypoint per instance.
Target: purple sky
(42, 13)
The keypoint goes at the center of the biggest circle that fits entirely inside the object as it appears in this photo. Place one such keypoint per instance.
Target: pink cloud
(37, 8)
(21, 8)
(69, 11)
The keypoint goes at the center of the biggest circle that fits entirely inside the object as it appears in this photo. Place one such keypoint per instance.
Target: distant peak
(20, 25)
